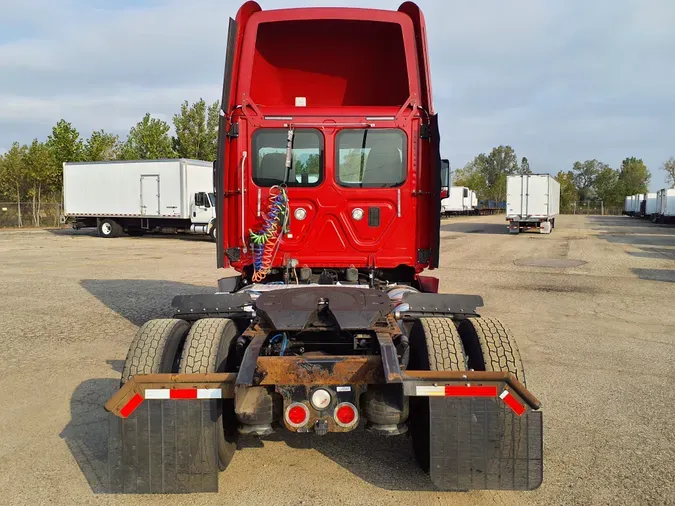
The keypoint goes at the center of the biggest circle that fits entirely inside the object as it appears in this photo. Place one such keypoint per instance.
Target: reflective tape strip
(470, 391)
(130, 406)
(430, 391)
(511, 402)
(183, 393)
(157, 393)
(209, 393)
(457, 391)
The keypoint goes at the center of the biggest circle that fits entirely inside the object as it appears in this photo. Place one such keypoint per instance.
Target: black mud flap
(164, 447)
(480, 444)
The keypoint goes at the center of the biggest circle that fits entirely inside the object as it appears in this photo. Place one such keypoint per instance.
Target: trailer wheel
(155, 347)
(435, 345)
(490, 346)
(109, 228)
(209, 348)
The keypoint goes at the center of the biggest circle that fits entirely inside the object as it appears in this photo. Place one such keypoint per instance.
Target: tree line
(34, 172)
(586, 181)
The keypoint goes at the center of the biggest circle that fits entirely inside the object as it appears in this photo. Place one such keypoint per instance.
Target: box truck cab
(140, 196)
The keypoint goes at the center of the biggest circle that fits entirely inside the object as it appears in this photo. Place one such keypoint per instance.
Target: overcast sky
(559, 80)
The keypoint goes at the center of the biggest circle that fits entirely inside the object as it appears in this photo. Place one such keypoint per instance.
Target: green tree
(101, 146)
(634, 176)
(568, 189)
(42, 175)
(471, 177)
(669, 167)
(486, 174)
(197, 130)
(65, 145)
(584, 177)
(608, 187)
(524, 166)
(13, 175)
(148, 140)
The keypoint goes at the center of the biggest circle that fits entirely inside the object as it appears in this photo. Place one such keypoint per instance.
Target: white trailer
(650, 205)
(140, 196)
(532, 202)
(627, 203)
(666, 205)
(637, 204)
(458, 201)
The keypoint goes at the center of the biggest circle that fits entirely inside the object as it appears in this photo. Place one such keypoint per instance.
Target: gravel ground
(597, 341)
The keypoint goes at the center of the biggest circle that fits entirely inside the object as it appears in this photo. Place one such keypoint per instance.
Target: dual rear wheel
(440, 344)
(173, 346)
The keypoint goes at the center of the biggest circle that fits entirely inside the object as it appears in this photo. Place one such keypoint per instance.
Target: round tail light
(297, 414)
(346, 414)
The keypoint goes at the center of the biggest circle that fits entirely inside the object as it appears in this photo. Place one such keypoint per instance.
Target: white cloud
(559, 81)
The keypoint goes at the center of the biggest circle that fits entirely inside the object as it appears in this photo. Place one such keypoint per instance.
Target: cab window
(269, 157)
(371, 158)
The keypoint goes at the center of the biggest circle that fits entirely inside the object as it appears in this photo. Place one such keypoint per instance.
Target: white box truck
(532, 202)
(458, 201)
(627, 203)
(139, 196)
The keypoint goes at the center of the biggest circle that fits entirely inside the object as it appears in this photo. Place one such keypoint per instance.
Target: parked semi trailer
(666, 205)
(532, 202)
(649, 205)
(140, 196)
(330, 322)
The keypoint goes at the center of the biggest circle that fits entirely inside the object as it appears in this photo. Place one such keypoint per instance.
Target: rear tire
(435, 345)
(155, 347)
(209, 348)
(108, 228)
(490, 346)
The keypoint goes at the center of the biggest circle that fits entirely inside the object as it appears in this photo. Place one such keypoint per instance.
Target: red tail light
(297, 414)
(346, 414)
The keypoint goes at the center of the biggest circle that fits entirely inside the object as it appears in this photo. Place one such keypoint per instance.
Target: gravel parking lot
(597, 340)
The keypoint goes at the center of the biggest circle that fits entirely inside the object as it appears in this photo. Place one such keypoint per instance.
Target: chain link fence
(590, 207)
(25, 214)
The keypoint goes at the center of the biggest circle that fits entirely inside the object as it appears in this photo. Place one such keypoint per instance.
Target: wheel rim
(106, 228)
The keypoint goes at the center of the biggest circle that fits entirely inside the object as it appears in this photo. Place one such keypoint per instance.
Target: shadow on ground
(93, 232)
(474, 228)
(387, 463)
(654, 253)
(630, 225)
(140, 300)
(665, 275)
(87, 432)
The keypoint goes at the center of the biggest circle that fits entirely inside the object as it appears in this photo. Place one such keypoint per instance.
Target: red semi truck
(328, 184)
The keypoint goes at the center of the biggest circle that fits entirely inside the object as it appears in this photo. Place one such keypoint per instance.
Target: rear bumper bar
(348, 370)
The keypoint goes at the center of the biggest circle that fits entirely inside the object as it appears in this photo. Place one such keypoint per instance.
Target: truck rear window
(269, 160)
(370, 158)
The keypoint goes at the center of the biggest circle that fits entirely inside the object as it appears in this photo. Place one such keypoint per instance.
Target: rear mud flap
(165, 446)
(479, 443)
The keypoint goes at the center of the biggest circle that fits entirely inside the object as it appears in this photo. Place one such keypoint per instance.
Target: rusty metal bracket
(392, 370)
(248, 363)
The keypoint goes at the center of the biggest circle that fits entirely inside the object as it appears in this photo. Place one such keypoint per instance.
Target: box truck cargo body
(458, 201)
(532, 201)
(627, 203)
(140, 196)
